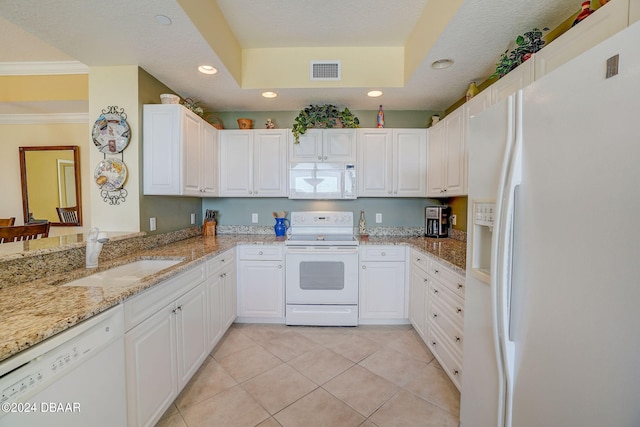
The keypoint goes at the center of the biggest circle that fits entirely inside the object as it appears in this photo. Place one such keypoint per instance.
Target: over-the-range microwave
(322, 180)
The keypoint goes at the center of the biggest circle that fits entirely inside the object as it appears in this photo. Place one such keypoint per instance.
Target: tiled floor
(275, 375)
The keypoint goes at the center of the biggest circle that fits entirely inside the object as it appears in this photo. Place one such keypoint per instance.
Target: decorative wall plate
(111, 133)
(110, 174)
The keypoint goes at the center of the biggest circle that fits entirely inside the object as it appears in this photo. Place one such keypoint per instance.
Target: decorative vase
(362, 225)
(472, 91)
(281, 226)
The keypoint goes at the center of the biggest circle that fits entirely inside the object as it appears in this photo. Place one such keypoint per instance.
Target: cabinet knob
(384, 254)
(458, 310)
(435, 315)
(325, 157)
(319, 157)
(255, 192)
(457, 339)
(364, 267)
(279, 266)
(435, 271)
(433, 343)
(250, 192)
(260, 253)
(435, 291)
(455, 372)
(426, 280)
(418, 259)
(459, 285)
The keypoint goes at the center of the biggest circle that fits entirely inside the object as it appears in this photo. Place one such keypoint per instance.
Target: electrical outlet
(193, 218)
(378, 218)
(254, 218)
(453, 219)
(152, 223)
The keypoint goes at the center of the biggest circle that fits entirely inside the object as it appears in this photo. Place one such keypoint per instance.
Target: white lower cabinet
(382, 285)
(221, 295)
(165, 343)
(261, 284)
(418, 292)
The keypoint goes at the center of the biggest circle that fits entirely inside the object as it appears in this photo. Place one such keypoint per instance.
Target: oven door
(322, 275)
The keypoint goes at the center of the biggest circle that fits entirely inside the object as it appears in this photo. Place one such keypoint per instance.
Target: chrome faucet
(95, 240)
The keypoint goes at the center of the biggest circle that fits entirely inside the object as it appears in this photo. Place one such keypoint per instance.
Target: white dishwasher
(75, 378)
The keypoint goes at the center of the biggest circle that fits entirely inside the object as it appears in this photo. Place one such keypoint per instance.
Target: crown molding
(54, 118)
(42, 68)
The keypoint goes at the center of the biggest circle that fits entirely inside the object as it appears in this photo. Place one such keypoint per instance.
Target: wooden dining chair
(68, 215)
(7, 222)
(18, 233)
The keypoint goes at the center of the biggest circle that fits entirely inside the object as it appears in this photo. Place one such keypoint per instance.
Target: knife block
(209, 228)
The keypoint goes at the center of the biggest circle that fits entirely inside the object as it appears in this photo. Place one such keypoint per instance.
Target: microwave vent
(325, 70)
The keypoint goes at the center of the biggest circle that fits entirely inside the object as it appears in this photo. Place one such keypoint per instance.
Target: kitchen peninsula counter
(33, 311)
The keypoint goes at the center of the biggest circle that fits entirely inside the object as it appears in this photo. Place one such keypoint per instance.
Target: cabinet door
(152, 382)
(339, 145)
(375, 158)
(162, 166)
(382, 290)
(209, 161)
(236, 170)
(309, 149)
(517, 79)
(410, 162)
(270, 164)
(261, 289)
(417, 300)
(230, 292)
(192, 153)
(215, 310)
(456, 154)
(435, 159)
(191, 333)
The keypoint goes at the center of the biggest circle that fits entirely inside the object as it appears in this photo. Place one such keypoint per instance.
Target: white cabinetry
(261, 283)
(253, 163)
(221, 295)
(179, 152)
(445, 319)
(600, 25)
(325, 145)
(446, 157)
(382, 285)
(419, 292)
(392, 162)
(165, 343)
(518, 78)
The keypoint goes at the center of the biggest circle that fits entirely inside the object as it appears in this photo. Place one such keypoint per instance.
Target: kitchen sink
(125, 274)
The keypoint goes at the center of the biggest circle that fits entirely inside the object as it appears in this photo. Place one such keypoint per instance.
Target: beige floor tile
(327, 339)
(248, 363)
(210, 380)
(408, 410)
(320, 365)
(174, 420)
(368, 424)
(232, 407)
(410, 344)
(382, 334)
(393, 366)
(278, 387)
(263, 334)
(288, 346)
(171, 411)
(434, 385)
(269, 422)
(356, 348)
(233, 341)
(361, 389)
(319, 409)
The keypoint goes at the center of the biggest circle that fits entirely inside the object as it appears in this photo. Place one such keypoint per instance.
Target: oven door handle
(321, 250)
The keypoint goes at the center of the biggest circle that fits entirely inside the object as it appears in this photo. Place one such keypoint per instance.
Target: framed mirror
(50, 177)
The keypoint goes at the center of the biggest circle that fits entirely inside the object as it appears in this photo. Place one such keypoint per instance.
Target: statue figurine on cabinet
(270, 124)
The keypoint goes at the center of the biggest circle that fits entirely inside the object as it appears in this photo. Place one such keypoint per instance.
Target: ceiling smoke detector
(326, 70)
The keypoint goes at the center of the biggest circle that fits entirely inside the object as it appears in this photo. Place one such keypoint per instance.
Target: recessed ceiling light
(442, 63)
(374, 93)
(162, 19)
(269, 94)
(207, 69)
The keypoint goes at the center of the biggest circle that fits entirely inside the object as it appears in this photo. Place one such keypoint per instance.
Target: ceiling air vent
(325, 70)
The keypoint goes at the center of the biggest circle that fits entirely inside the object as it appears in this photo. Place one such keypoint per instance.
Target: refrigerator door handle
(501, 259)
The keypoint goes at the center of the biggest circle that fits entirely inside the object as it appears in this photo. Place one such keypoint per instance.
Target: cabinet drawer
(150, 301)
(420, 260)
(382, 253)
(451, 330)
(450, 363)
(261, 252)
(219, 262)
(452, 304)
(451, 280)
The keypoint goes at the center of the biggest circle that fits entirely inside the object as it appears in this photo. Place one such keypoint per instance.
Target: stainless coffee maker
(437, 221)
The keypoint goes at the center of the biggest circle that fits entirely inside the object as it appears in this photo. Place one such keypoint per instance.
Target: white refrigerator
(552, 335)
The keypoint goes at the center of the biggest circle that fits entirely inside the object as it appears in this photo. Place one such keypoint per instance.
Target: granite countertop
(34, 311)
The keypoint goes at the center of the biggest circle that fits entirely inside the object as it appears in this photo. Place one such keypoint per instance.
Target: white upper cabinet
(392, 162)
(447, 157)
(517, 79)
(600, 25)
(253, 163)
(179, 152)
(325, 145)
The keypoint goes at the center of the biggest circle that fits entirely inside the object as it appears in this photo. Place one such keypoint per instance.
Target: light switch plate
(193, 218)
(378, 218)
(254, 218)
(152, 223)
